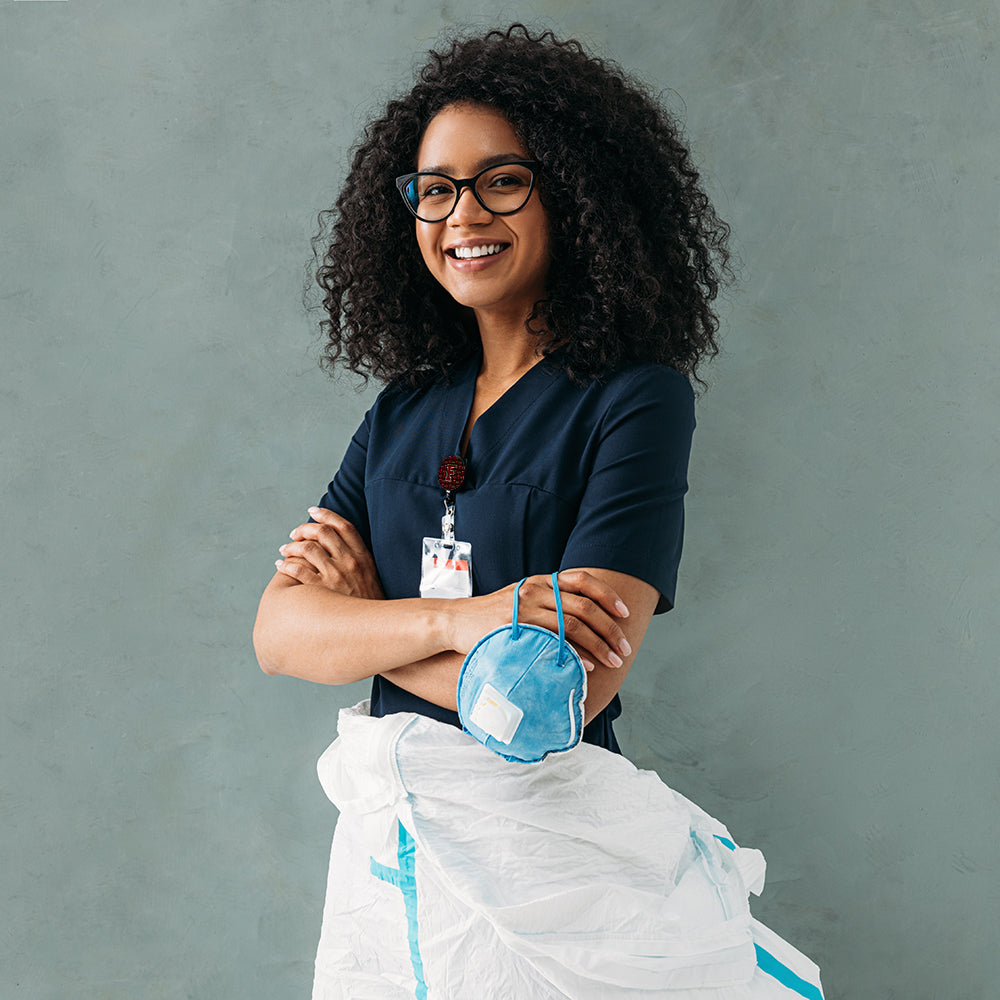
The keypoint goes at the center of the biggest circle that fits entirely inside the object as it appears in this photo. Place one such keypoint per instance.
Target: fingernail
(278, 563)
(313, 510)
(622, 610)
(588, 666)
(281, 549)
(625, 647)
(614, 659)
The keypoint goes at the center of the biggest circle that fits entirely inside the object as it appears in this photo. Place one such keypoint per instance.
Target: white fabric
(580, 876)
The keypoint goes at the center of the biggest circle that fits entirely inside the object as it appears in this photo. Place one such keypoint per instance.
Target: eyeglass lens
(501, 189)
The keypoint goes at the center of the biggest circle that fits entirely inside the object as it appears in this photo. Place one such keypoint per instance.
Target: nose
(468, 211)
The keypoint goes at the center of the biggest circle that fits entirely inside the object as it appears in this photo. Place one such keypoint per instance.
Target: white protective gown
(457, 875)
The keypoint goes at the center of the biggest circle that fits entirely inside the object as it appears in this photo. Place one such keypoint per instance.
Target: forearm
(319, 635)
(434, 679)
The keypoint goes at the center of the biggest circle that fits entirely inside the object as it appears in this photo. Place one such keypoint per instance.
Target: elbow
(270, 631)
(269, 668)
(267, 656)
(602, 686)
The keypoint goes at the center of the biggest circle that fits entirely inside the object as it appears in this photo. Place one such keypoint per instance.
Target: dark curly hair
(638, 253)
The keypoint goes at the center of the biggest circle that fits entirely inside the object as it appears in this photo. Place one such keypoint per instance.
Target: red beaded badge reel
(451, 473)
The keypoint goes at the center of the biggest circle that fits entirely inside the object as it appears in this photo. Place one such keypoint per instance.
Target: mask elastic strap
(559, 615)
(515, 629)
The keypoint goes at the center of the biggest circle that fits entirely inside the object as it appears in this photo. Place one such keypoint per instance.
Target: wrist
(442, 620)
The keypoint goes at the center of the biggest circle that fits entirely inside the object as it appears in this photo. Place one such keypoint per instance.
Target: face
(460, 141)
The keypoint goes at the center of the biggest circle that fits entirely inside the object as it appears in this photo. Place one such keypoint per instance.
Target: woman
(536, 292)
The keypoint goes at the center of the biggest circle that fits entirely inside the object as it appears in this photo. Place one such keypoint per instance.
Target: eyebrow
(482, 164)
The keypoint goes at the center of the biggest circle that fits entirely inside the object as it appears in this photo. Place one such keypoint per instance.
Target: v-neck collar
(494, 424)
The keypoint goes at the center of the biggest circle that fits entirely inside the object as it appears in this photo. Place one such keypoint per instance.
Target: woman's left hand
(330, 553)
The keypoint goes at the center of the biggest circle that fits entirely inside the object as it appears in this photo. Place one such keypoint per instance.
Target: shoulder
(398, 399)
(402, 393)
(652, 379)
(651, 390)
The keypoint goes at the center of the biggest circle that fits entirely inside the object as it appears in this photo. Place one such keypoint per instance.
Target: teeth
(468, 253)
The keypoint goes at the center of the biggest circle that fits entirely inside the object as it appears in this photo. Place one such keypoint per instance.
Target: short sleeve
(346, 494)
(631, 515)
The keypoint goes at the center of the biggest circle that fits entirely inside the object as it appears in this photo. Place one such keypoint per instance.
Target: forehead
(462, 137)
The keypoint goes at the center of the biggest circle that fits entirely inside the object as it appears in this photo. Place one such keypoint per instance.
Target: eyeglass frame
(534, 166)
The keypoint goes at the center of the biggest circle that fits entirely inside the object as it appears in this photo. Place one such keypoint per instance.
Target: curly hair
(638, 252)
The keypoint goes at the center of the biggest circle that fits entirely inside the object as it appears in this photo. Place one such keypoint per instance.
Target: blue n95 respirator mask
(522, 688)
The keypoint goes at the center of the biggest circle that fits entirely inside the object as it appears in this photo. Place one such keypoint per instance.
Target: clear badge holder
(446, 564)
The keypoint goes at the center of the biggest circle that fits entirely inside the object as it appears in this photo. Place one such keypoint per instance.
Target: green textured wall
(827, 685)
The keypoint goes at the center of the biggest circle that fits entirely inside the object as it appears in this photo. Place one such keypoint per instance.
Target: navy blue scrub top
(558, 476)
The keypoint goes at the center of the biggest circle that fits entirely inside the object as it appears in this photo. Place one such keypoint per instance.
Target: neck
(508, 349)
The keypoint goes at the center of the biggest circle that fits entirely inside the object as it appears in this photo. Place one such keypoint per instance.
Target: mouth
(476, 252)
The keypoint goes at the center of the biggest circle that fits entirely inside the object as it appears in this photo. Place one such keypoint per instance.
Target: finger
(297, 569)
(340, 540)
(598, 620)
(347, 532)
(311, 552)
(327, 538)
(581, 582)
(585, 624)
(589, 643)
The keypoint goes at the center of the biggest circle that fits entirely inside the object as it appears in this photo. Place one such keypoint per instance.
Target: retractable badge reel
(522, 689)
(446, 564)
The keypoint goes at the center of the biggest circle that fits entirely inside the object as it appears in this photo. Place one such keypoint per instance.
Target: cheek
(541, 243)
(538, 234)
(427, 241)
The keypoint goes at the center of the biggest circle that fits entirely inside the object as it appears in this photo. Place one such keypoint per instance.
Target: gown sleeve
(346, 494)
(631, 516)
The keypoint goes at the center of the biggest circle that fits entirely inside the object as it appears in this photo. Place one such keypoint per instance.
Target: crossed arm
(324, 618)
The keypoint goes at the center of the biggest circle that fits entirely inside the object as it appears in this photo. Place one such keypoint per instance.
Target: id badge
(446, 568)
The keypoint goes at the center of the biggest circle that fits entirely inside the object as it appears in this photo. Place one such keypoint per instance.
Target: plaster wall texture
(827, 684)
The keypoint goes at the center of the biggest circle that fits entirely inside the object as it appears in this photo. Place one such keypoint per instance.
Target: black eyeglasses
(501, 189)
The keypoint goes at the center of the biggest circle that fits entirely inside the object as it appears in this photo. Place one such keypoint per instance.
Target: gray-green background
(827, 684)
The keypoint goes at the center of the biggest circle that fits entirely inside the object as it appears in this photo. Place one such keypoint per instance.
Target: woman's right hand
(328, 552)
(591, 611)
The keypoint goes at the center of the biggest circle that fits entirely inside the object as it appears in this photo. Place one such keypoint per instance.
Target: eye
(507, 180)
(435, 188)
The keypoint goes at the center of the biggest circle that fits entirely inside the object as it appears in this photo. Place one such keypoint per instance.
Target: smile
(471, 253)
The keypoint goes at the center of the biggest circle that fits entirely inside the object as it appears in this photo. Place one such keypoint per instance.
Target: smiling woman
(537, 302)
